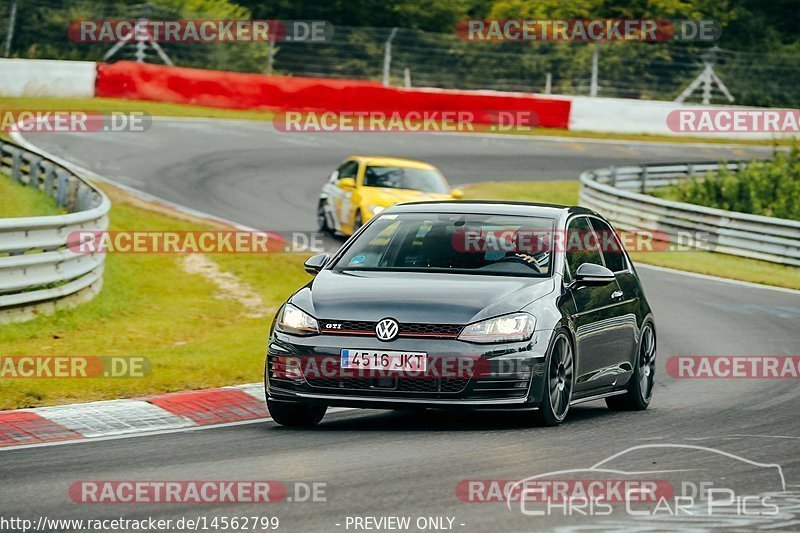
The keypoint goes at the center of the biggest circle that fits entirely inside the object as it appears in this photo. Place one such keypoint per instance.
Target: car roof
(392, 161)
(488, 206)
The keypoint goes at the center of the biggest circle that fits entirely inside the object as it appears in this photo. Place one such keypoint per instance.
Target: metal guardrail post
(16, 166)
(61, 190)
(49, 178)
(644, 179)
(34, 169)
(387, 57)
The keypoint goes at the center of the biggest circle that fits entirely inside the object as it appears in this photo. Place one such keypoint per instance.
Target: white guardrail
(620, 194)
(37, 271)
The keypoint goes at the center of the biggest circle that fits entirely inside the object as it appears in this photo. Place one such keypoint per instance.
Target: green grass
(700, 261)
(117, 104)
(648, 137)
(151, 307)
(181, 110)
(547, 192)
(17, 200)
(725, 266)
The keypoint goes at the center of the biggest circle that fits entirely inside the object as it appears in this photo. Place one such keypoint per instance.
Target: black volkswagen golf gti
(480, 305)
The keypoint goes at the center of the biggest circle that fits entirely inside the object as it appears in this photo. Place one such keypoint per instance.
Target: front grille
(354, 327)
(336, 383)
(433, 385)
(430, 330)
(412, 385)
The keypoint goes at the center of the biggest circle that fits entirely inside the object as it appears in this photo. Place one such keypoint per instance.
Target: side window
(348, 170)
(610, 246)
(581, 245)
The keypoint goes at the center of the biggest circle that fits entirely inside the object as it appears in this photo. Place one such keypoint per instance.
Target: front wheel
(358, 221)
(322, 218)
(558, 383)
(291, 414)
(640, 389)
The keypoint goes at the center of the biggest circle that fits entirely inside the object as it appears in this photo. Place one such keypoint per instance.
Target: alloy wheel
(647, 363)
(560, 377)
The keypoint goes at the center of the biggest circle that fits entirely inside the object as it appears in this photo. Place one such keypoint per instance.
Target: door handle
(616, 294)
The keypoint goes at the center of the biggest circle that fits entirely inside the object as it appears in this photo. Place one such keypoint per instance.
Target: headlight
(376, 209)
(508, 328)
(293, 320)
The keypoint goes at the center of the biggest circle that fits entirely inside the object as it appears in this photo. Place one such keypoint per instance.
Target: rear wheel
(559, 380)
(640, 388)
(291, 414)
(358, 221)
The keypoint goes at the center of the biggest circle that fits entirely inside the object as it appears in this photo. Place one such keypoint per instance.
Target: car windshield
(405, 178)
(453, 242)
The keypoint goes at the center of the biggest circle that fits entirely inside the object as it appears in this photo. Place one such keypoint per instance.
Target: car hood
(387, 197)
(417, 297)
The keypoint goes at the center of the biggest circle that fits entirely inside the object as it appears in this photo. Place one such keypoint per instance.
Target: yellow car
(363, 186)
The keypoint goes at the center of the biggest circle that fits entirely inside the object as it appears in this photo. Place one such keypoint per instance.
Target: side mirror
(592, 275)
(457, 193)
(347, 183)
(315, 263)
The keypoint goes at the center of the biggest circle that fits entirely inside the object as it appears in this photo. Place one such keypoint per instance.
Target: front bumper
(510, 375)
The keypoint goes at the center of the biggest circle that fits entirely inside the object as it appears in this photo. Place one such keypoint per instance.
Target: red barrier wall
(256, 91)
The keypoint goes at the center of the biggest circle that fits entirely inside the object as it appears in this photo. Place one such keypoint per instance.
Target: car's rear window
(453, 242)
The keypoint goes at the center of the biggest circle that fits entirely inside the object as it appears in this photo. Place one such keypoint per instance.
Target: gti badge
(387, 329)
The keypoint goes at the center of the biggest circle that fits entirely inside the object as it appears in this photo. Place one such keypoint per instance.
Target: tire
(358, 221)
(640, 388)
(292, 414)
(322, 219)
(559, 381)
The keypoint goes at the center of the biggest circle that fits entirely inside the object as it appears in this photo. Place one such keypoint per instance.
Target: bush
(770, 187)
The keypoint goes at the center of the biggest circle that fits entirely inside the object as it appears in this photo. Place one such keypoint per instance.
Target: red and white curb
(116, 418)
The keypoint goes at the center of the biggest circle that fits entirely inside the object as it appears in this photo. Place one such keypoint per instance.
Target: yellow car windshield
(405, 178)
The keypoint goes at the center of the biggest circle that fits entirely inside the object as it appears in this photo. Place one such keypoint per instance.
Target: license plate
(384, 360)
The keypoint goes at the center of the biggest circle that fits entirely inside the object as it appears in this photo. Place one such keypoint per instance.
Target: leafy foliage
(770, 188)
(758, 56)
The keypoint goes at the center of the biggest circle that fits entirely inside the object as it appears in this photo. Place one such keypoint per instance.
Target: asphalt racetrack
(251, 173)
(378, 464)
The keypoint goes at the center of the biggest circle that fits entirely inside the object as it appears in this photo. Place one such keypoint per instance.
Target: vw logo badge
(387, 329)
